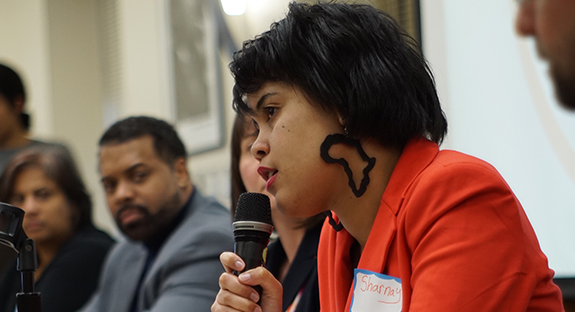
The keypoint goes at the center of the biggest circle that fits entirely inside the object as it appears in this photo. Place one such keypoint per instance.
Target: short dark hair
(350, 59)
(167, 143)
(11, 87)
(57, 164)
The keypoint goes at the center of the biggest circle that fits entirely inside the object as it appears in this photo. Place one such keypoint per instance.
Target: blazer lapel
(374, 255)
(415, 157)
(128, 280)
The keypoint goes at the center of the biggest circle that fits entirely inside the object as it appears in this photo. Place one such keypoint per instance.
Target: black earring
(338, 138)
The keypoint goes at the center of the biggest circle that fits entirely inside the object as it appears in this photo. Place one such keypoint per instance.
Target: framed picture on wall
(196, 73)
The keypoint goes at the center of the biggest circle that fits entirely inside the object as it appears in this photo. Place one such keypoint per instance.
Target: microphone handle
(253, 254)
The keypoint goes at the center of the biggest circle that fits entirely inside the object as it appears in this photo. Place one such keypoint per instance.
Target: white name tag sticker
(375, 292)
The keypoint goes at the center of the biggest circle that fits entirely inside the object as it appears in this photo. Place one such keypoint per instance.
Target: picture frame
(195, 37)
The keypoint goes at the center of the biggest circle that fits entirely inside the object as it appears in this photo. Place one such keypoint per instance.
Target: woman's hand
(236, 292)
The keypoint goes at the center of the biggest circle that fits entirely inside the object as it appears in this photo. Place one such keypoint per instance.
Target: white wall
(501, 108)
(24, 45)
(52, 44)
(58, 48)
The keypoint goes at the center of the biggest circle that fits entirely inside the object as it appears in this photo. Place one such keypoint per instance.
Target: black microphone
(252, 228)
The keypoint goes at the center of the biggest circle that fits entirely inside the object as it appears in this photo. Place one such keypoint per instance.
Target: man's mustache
(130, 206)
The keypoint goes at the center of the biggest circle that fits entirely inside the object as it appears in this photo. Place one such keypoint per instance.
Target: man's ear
(181, 170)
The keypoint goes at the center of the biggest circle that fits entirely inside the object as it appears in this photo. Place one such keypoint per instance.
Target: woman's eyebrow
(262, 100)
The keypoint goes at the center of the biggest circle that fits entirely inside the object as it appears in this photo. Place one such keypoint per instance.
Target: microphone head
(253, 207)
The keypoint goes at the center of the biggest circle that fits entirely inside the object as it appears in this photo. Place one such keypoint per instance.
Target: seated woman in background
(292, 258)
(45, 183)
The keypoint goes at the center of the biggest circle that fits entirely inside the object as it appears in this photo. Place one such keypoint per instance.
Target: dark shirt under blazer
(302, 272)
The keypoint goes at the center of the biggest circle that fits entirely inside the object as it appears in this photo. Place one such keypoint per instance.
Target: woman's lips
(268, 174)
(270, 181)
(33, 226)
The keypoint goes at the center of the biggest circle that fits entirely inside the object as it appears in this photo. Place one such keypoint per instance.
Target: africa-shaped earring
(338, 138)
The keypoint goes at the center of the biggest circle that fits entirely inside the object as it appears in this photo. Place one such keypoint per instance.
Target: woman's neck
(357, 214)
(16, 140)
(291, 237)
(46, 253)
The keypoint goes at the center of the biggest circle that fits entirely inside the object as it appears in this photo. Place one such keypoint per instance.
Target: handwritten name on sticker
(376, 292)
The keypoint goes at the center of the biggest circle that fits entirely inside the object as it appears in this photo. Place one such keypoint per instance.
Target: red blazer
(452, 230)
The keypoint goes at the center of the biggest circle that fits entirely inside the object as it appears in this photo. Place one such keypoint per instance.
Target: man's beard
(150, 224)
(564, 87)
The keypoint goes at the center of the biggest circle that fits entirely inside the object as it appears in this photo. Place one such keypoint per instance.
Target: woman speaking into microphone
(349, 122)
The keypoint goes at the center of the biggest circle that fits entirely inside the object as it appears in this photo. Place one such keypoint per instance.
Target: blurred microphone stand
(12, 235)
(27, 300)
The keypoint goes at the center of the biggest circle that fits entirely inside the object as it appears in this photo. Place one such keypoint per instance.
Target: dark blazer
(302, 272)
(185, 274)
(69, 280)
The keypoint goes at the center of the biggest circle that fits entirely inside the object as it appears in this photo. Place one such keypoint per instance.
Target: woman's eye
(256, 126)
(271, 111)
(43, 194)
(16, 200)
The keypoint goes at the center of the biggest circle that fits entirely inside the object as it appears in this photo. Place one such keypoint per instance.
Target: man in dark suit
(552, 24)
(170, 259)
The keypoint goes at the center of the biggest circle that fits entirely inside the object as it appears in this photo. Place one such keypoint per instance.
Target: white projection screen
(501, 107)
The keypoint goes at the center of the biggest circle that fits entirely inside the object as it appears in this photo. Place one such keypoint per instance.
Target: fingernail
(239, 265)
(258, 309)
(244, 277)
(255, 297)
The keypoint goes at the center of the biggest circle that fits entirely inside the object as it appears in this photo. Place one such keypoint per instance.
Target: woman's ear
(18, 104)
(341, 120)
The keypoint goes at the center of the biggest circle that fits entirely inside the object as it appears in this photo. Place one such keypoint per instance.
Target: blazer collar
(416, 156)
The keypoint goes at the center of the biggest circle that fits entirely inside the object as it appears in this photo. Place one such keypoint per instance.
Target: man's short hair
(167, 143)
(349, 59)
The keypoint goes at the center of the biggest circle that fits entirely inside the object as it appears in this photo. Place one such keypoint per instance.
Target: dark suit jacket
(70, 279)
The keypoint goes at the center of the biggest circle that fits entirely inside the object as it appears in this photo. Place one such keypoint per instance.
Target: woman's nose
(30, 205)
(260, 147)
